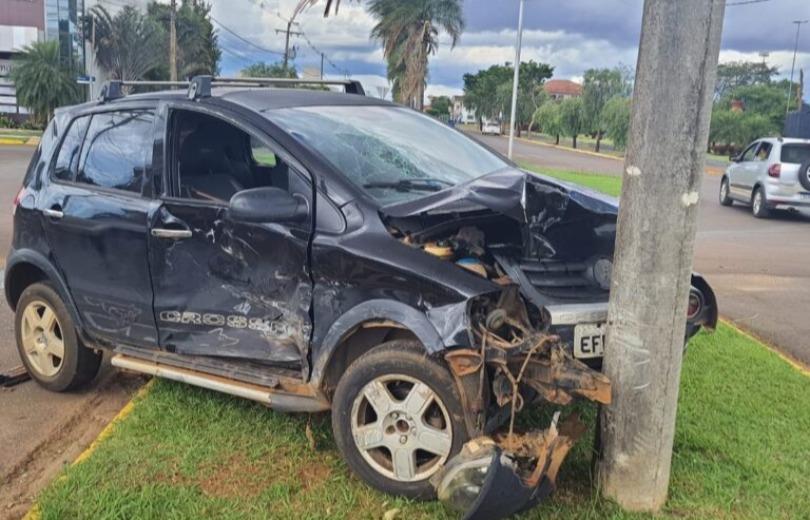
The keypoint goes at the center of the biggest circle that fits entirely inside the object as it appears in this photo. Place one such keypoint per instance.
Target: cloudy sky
(571, 35)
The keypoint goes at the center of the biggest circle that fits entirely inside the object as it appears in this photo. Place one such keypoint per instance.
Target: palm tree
(409, 32)
(42, 81)
(127, 45)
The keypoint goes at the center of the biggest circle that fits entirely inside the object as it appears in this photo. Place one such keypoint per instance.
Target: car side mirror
(734, 158)
(266, 204)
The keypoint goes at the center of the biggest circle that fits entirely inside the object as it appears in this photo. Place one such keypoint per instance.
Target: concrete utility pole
(288, 31)
(672, 103)
(516, 78)
(793, 66)
(173, 41)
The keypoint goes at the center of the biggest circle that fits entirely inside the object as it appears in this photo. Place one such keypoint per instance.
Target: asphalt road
(40, 431)
(759, 269)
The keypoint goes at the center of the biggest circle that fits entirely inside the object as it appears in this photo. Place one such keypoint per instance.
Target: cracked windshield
(394, 154)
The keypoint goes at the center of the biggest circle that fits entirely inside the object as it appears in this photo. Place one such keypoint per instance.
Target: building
(22, 23)
(559, 89)
(460, 112)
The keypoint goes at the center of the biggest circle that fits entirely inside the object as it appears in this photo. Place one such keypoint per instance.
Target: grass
(605, 183)
(742, 450)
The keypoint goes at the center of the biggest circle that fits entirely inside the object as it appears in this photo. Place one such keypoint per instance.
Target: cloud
(572, 36)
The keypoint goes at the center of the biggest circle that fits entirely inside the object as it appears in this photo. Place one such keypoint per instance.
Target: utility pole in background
(288, 31)
(322, 56)
(173, 41)
(793, 66)
(663, 170)
(515, 79)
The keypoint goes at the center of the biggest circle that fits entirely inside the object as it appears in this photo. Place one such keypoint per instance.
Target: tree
(547, 116)
(197, 44)
(572, 118)
(440, 106)
(409, 32)
(127, 46)
(480, 91)
(267, 70)
(742, 73)
(598, 87)
(616, 118)
(43, 82)
(489, 92)
(765, 99)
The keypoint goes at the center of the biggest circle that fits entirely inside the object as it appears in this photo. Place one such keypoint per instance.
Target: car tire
(382, 375)
(725, 199)
(47, 341)
(759, 204)
(804, 175)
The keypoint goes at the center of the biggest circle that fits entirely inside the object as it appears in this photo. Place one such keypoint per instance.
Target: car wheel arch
(363, 327)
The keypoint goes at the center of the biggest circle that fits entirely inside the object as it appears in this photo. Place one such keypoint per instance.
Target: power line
(746, 2)
(234, 33)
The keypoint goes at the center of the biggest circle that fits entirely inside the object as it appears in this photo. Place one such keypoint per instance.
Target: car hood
(523, 196)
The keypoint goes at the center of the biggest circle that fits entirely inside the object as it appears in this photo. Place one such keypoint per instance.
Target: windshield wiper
(425, 184)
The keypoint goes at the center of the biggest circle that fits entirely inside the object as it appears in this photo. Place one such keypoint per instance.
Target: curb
(19, 141)
(566, 148)
(709, 170)
(34, 513)
(795, 363)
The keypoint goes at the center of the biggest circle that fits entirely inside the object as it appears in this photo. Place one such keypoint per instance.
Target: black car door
(223, 287)
(95, 219)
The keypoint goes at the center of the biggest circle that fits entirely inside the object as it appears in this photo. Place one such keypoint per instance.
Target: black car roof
(262, 99)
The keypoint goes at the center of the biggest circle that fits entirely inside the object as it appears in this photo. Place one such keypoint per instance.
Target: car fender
(20, 257)
(394, 311)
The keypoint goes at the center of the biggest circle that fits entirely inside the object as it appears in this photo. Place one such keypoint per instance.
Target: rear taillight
(774, 170)
(17, 199)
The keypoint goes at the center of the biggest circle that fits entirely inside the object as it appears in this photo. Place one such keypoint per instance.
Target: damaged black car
(317, 250)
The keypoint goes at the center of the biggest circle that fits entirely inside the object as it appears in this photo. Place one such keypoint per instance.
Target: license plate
(589, 340)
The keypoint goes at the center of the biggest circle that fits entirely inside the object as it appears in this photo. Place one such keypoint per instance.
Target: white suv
(772, 173)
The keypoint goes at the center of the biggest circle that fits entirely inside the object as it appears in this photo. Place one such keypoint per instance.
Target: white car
(491, 128)
(771, 173)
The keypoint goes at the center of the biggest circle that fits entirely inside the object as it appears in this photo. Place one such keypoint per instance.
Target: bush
(7, 122)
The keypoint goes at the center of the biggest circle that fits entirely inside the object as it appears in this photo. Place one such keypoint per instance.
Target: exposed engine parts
(498, 475)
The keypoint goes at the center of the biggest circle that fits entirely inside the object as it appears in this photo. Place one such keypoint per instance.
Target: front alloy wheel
(401, 427)
(397, 417)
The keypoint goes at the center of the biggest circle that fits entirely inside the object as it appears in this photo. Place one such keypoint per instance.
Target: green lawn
(604, 183)
(742, 450)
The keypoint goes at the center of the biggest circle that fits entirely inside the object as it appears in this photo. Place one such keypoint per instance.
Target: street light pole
(793, 66)
(515, 79)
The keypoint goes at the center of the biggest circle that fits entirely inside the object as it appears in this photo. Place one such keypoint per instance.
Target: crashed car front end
(549, 246)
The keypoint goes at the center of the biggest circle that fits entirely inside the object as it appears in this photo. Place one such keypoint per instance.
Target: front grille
(563, 280)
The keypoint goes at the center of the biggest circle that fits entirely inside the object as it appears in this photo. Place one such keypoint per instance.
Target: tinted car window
(116, 150)
(795, 153)
(68, 159)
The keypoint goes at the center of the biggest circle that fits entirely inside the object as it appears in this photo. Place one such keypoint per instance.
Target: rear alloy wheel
(759, 204)
(397, 418)
(47, 341)
(725, 199)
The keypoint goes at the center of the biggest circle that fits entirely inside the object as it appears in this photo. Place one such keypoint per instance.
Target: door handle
(174, 234)
(53, 213)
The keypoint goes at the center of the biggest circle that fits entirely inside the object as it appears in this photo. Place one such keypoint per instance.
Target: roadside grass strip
(742, 450)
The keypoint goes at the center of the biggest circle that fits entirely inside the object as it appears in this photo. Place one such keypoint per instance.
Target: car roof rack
(200, 86)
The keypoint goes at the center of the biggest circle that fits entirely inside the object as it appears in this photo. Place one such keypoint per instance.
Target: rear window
(795, 153)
